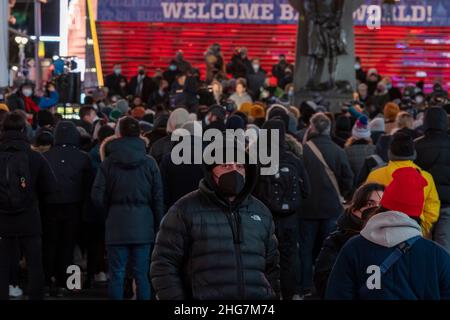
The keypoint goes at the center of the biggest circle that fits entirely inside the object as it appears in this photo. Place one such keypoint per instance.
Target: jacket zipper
(237, 245)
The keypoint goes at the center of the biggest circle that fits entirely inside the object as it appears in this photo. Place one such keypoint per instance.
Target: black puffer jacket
(43, 182)
(128, 185)
(433, 152)
(323, 202)
(348, 227)
(207, 250)
(72, 167)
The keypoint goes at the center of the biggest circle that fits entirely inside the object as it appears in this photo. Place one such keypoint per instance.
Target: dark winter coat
(324, 202)
(72, 167)
(433, 152)
(357, 153)
(148, 87)
(255, 81)
(179, 180)
(208, 249)
(129, 186)
(422, 273)
(43, 182)
(238, 67)
(161, 147)
(112, 81)
(348, 227)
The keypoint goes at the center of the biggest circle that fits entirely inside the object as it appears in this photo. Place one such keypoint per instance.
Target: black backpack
(281, 192)
(15, 182)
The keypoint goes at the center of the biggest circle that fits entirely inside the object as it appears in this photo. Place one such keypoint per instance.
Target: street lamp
(22, 42)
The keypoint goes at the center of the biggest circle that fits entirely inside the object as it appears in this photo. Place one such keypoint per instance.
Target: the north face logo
(256, 217)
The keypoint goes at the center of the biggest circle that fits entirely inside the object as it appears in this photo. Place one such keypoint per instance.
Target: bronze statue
(325, 41)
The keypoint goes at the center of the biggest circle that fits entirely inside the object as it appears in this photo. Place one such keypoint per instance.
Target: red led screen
(405, 53)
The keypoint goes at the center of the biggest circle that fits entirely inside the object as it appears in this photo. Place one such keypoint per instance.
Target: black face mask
(141, 72)
(231, 183)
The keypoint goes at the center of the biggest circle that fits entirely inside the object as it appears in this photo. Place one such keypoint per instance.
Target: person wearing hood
(390, 259)
(128, 185)
(164, 145)
(365, 199)
(402, 154)
(331, 178)
(433, 155)
(62, 214)
(291, 136)
(158, 131)
(218, 242)
(283, 194)
(20, 221)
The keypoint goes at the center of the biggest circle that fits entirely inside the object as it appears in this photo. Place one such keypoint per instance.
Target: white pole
(37, 32)
(4, 43)
(63, 27)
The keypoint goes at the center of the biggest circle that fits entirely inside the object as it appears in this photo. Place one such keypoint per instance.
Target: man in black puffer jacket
(61, 217)
(218, 242)
(128, 185)
(433, 155)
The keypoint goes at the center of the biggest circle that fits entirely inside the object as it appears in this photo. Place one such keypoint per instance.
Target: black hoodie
(42, 182)
(433, 151)
(348, 226)
(211, 249)
(72, 167)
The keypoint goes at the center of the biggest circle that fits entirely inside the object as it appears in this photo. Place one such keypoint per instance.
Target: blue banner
(404, 13)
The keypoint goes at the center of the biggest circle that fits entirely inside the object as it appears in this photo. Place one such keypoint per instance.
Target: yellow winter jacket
(430, 213)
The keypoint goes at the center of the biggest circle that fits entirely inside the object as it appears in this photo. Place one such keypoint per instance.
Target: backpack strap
(399, 251)
(386, 265)
(328, 170)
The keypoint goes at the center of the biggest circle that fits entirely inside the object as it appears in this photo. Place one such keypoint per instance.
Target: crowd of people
(367, 186)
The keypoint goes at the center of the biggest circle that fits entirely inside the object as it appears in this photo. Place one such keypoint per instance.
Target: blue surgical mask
(389, 86)
(172, 67)
(117, 71)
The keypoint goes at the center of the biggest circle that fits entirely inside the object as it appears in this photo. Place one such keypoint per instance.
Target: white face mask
(27, 92)
(357, 66)
(256, 67)
(419, 99)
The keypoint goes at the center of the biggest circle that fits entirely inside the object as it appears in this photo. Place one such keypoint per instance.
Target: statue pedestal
(345, 71)
(336, 99)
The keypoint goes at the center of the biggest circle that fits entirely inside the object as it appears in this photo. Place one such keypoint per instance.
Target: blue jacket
(48, 102)
(422, 273)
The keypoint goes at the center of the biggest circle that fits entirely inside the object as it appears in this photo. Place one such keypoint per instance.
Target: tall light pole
(4, 43)
(37, 33)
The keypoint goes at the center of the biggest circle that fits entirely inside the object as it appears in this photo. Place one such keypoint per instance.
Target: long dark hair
(362, 196)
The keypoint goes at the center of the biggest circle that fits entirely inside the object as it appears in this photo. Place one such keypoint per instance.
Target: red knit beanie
(405, 192)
